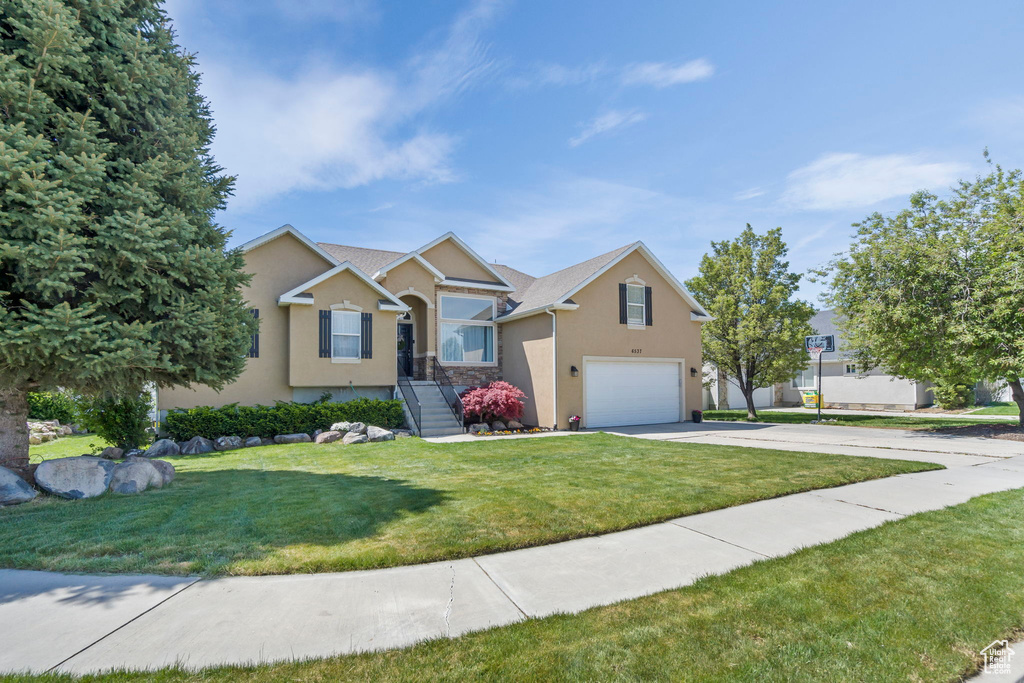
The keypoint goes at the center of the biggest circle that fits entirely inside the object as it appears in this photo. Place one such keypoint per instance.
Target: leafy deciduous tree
(758, 330)
(936, 292)
(112, 270)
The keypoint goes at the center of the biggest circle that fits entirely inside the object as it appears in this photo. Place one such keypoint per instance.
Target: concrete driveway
(84, 624)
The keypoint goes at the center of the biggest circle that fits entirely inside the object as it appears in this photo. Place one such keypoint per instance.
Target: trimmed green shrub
(953, 396)
(121, 420)
(281, 418)
(51, 405)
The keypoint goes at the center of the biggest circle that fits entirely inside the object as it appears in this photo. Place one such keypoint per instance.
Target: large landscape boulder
(498, 426)
(227, 443)
(197, 445)
(328, 437)
(402, 433)
(135, 476)
(253, 441)
(515, 424)
(292, 438)
(112, 453)
(479, 428)
(353, 437)
(162, 448)
(82, 477)
(166, 470)
(376, 434)
(14, 489)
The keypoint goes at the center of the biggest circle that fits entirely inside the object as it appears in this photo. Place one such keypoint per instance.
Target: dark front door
(405, 347)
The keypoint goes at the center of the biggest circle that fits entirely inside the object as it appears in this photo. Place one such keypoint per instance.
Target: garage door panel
(625, 393)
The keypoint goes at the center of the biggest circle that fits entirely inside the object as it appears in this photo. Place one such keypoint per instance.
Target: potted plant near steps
(574, 423)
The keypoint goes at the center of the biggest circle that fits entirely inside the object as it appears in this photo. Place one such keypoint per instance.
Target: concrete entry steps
(150, 622)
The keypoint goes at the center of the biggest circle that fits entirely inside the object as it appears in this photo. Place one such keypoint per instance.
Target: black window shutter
(254, 347)
(622, 303)
(367, 336)
(325, 334)
(647, 306)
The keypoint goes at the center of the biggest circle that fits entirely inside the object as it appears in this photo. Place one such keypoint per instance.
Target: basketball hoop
(815, 352)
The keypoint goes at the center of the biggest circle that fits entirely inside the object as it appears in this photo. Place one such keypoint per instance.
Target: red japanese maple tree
(496, 401)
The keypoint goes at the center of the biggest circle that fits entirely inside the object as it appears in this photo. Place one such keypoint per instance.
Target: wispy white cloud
(663, 75)
(656, 74)
(339, 127)
(749, 194)
(850, 181)
(812, 237)
(605, 123)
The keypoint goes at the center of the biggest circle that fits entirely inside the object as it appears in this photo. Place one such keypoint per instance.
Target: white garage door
(631, 393)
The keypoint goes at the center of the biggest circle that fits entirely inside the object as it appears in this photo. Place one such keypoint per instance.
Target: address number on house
(637, 350)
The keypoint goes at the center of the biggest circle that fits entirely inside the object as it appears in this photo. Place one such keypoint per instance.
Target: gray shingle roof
(518, 278)
(367, 260)
(550, 289)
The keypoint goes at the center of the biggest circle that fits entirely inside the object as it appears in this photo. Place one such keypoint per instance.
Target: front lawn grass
(896, 421)
(319, 508)
(912, 600)
(999, 408)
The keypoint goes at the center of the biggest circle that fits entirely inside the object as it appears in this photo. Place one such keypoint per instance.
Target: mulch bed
(1010, 431)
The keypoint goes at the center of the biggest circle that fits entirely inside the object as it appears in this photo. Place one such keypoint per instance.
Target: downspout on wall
(554, 368)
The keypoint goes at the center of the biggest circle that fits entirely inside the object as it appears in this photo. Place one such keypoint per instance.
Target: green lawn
(1001, 408)
(317, 508)
(897, 421)
(913, 600)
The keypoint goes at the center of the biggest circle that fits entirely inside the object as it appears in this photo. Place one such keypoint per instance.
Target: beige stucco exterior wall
(277, 266)
(412, 276)
(594, 330)
(528, 365)
(455, 263)
(307, 369)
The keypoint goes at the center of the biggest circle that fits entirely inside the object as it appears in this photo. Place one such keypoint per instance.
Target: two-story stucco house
(615, 339)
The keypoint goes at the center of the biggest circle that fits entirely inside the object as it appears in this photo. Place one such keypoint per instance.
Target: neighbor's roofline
(289, 229)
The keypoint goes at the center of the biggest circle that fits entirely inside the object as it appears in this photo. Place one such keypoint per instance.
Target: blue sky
(544, 133)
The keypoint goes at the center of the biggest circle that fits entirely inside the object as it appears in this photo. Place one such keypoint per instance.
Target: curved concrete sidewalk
(84, 624)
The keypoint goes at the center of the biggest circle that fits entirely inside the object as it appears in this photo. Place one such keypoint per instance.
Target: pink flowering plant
(496, 401)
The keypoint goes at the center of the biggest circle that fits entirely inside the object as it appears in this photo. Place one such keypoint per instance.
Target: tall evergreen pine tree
(112, 270)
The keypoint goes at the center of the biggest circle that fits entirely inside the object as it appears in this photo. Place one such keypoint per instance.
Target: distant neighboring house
(845, 385)
(723, 393)
(615, 339)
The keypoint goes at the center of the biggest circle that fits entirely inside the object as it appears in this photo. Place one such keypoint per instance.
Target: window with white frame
(851, 369)
(806, 378)
(636, 299)
(467, 329)
(345, 341)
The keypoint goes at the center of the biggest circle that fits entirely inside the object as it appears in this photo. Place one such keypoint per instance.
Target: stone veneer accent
(469, 375)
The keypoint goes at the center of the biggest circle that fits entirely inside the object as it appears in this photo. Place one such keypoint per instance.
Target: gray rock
(14, 489)
(353, 437)
(65, 430)
(479, 428)
(133, 453)
(341, 427)
(227, 443)
(376, 434)
(112, 453)
(515, 424)
(197, 445)
(165, 469)
(81, 477)
(34, 440)
(266, 441)
(498, 426)
(402, 433)
(162, 448)
(135, 476)
(328, 437)
(357, 427)
(292, 438)
(317, 432)
(253, 441)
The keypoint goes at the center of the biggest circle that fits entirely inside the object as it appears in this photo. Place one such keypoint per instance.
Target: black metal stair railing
(451, 397)
(409, 394)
